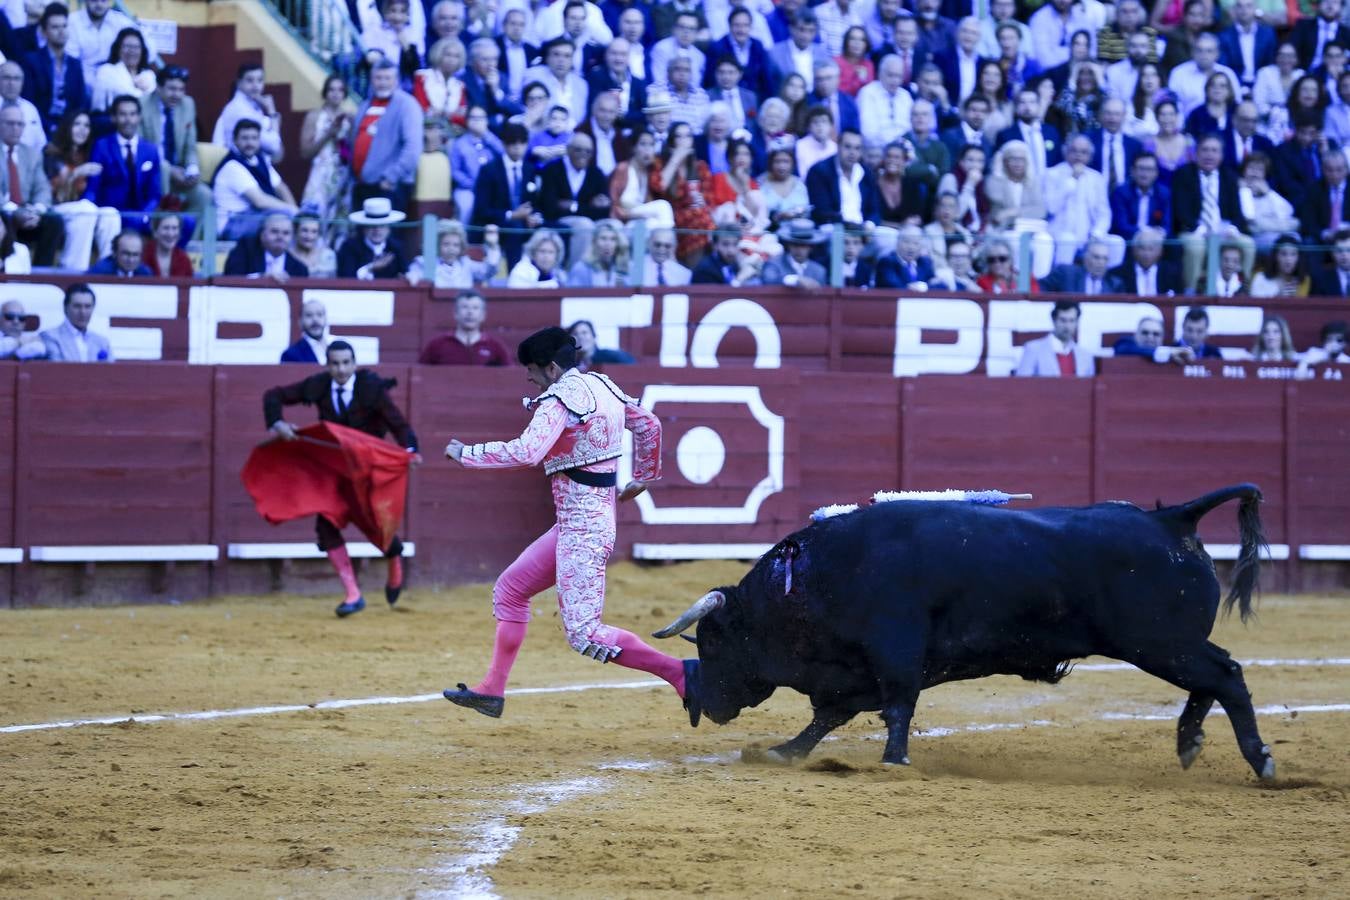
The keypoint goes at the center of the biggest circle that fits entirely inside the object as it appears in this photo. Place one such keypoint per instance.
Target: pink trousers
(572, 554)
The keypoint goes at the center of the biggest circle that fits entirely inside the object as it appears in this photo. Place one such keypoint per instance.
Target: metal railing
(324, 29)
(1032, 260)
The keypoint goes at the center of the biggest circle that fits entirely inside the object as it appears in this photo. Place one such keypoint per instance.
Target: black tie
(342, 401)
(131, 177)
(515, 185)
(168, 136)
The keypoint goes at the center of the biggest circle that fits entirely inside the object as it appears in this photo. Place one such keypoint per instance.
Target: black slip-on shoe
(486, 704)
(346, 609)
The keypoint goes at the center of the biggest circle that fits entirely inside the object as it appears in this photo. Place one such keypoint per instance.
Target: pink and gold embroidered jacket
(578, 423)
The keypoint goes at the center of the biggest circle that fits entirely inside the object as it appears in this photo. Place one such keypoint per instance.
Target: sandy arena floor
(1017, 790)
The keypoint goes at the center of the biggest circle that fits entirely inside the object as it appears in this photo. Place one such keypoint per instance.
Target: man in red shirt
(466, 345)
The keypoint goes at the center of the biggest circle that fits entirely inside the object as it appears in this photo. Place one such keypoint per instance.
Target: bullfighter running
(577, 433)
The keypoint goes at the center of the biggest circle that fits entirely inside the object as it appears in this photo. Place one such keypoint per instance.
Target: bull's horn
(689, 639)
(706, 604)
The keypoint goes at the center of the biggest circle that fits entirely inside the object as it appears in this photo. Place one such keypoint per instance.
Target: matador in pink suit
(577, 433)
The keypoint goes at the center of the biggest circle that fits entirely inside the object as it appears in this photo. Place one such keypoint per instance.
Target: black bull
(901, 596)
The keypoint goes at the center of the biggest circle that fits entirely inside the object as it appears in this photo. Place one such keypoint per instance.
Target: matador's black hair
(548, 345)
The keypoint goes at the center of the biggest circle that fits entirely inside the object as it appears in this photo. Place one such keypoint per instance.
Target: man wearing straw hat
(358, 399)
(796, 268)
(372, 252)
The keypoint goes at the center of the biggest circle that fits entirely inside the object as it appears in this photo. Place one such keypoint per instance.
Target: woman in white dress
(1141, 122)
(630, 190)
(127, 71)
(323, 139)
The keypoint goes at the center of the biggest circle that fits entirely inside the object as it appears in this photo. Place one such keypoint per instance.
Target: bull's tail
(1247, 569)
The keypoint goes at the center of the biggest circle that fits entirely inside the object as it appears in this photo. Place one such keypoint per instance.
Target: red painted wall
(150, 453)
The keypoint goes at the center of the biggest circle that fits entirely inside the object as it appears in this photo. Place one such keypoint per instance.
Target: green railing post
(209, 241)
(431, 250)
(1024, 261)
(837, 256)
(1212, 244)
(637, 253)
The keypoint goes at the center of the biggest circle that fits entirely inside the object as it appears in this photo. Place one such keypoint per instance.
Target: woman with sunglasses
(1000, 276)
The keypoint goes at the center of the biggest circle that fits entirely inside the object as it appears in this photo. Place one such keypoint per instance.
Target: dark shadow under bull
(863, 611)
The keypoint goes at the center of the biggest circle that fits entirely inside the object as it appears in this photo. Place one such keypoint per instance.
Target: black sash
(592, 479)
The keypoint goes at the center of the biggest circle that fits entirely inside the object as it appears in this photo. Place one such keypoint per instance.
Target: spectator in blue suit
(1122, 148)
(1141, 201)
(129, 178)
(125, 261)
(1247, 45)
(826, 93)
(750, 55)
(41, 68)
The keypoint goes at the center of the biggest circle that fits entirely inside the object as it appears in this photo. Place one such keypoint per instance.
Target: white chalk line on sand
(205, 715)
(491, 838)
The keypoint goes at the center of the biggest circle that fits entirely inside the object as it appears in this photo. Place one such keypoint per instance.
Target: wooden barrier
(142, 454)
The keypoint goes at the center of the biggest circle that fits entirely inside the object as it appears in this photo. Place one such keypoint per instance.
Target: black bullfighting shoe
(391, 593)
(486, 704)
(346, 609)
(692, 702)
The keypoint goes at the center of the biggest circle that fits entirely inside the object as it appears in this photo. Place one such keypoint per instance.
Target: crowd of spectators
(1123, 139)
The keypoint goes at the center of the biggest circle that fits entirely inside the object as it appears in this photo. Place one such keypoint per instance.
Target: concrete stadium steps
(215, 39)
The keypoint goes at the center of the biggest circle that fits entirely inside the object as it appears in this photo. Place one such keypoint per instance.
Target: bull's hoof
(693, 703)
(902, 761)
(775, 755)
(1189, 751)
(1267, 772)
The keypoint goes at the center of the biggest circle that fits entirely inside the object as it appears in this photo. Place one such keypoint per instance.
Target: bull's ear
(692, 640)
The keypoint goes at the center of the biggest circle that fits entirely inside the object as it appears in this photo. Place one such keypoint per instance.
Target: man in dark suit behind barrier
(357, 399)
(268, 253)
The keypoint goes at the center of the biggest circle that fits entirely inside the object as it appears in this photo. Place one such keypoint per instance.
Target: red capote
(344, 475)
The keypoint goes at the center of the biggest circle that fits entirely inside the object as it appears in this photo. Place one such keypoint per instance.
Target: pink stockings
(636, 655)
(581, 583)
(342, 562)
